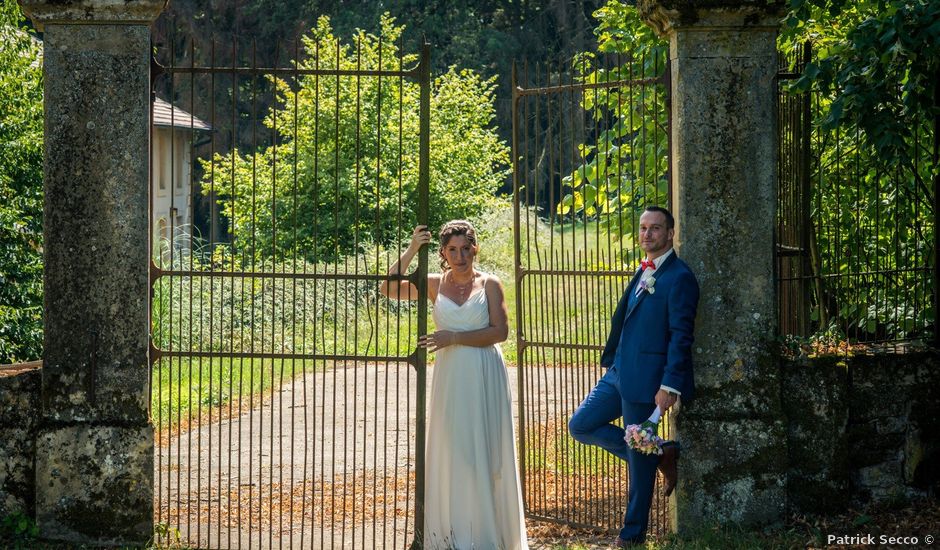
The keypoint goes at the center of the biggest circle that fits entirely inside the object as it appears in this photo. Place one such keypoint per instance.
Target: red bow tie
(647, 263)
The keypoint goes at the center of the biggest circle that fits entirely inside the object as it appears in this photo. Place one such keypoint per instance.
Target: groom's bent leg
(591, 422)
(642, 478)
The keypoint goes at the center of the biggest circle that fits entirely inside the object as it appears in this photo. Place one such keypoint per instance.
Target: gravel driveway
(325, 461)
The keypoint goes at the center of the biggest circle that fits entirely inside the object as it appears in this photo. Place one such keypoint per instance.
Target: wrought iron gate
(854, 233)
(287, 394)
(590, 152)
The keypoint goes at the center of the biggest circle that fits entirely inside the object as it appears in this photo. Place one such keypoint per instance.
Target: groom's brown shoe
(667, 467)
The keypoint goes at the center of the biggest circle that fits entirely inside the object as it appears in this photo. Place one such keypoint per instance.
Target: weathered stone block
(17, 471)
(723, 66)
(817, 492)
(879, 482)
(94, 459)
(19, 409)
(736, 390)
(869, 447)
(19, 395)
(886, 410)
(922, 441)
(881, 387)
(667, 15)
(816, 406)
(95, 484)
(44, 12)
(815, 398)
(734, 471)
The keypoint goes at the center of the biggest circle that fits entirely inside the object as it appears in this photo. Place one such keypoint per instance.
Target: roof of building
(171, 116)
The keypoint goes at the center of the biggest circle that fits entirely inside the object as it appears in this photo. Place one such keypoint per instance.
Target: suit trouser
(591, 424)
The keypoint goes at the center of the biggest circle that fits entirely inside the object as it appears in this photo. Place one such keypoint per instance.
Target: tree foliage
(484, 35)
(345, 158)
(21, 125)
(873, 80)
(625, 167)
(878, 61)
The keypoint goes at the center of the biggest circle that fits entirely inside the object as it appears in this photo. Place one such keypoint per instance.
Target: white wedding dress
(473, 496)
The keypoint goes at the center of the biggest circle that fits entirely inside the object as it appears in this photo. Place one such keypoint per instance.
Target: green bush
(21, 143)
(343, 171)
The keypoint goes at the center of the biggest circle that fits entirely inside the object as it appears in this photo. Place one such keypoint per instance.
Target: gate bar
(424, 178)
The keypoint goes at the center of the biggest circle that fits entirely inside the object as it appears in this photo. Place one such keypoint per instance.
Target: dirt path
(325, 461)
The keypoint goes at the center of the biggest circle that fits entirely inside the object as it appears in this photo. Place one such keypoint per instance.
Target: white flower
(647, 285)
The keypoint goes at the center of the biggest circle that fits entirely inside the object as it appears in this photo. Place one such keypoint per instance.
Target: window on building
(159, 164)
(179, 161)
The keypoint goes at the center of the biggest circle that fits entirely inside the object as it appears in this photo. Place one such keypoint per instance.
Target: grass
(184, 389)
(555, 308)
(729, 537)
(560, 453)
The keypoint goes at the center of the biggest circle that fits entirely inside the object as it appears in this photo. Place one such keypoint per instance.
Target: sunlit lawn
(185, 388)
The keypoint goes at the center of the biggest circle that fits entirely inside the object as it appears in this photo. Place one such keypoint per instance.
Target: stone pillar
(94, 452)
(723, 60)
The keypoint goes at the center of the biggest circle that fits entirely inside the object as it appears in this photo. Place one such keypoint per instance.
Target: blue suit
(649, 346)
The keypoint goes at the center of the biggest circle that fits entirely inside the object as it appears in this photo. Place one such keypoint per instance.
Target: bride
(473, 500)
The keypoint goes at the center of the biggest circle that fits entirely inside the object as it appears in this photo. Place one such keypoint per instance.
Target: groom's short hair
(670, 221)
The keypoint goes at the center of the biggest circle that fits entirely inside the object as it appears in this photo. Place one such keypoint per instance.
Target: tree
(626, 167)
(345, 154)
(21, 143)
(874, 83)
(486, 36)
(877, 62)
(874, 159)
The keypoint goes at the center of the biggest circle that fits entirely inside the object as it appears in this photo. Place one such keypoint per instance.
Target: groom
(648, 361)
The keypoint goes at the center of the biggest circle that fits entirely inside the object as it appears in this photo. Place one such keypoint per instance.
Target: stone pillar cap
(665, 15)
(92, 12)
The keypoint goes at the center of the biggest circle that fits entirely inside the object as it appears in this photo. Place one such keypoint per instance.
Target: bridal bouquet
(643, 437)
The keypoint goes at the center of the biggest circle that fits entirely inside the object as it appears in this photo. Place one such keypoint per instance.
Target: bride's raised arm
(404, 290)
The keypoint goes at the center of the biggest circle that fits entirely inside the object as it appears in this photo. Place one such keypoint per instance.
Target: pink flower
(643, 437)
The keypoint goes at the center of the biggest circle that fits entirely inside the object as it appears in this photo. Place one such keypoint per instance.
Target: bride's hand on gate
(419, 237)
(438, 340)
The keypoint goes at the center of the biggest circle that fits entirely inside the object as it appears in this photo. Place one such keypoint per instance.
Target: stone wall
(861, 429)
(19, 413)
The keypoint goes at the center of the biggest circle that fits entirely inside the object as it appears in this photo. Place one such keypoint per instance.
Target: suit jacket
(657, 334)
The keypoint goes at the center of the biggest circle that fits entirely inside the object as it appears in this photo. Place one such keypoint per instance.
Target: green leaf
(590, 193)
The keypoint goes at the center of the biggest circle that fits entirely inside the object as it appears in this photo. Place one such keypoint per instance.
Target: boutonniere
(648, 284)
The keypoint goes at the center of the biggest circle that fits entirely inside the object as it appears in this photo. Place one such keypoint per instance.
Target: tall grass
(210, 311)
(267, 311)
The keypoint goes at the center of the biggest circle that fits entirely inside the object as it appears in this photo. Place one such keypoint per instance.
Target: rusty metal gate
(287, 393)
(590, 151)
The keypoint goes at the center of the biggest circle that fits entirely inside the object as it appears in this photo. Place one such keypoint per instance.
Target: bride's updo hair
(454, 228)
